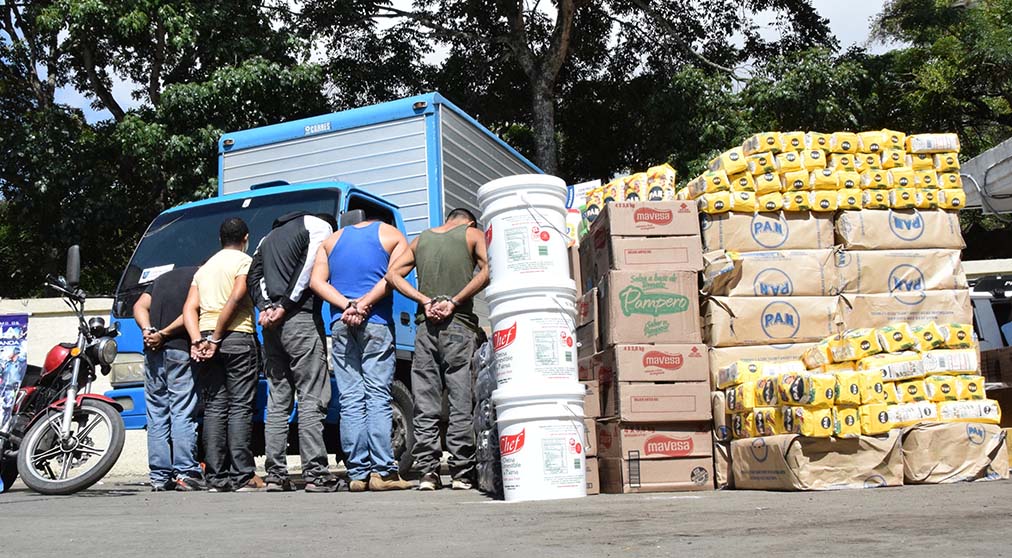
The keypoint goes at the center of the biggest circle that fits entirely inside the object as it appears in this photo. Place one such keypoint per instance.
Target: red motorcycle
(62, 438)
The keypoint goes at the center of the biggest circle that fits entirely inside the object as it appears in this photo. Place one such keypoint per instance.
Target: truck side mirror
(73, 266)
(351, 218)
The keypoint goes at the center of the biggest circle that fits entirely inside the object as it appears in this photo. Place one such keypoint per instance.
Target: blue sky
(850, 21)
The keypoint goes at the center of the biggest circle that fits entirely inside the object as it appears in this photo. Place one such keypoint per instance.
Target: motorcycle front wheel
(49, 464)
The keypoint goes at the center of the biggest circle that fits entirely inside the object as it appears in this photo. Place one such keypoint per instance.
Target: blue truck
(411, 160)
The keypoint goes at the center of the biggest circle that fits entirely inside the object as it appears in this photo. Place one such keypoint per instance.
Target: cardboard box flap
(887, 271)
(732, 321)
(655, 218)
(936, 453)
(899, 228)
(912, 307)
(771, 273)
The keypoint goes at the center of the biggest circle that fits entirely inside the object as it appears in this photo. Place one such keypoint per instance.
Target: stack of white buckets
(532, 306)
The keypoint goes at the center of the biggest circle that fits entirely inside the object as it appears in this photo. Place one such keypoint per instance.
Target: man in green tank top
(452, 267)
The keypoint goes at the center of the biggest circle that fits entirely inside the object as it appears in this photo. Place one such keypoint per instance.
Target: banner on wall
(13, 364)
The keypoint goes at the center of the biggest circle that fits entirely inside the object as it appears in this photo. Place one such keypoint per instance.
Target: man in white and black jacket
(295, 345)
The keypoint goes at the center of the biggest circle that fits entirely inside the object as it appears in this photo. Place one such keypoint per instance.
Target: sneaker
(166, 486)
(430, 481)
(393, 481)
(325, 484)
(190, 484)
(461, 484)
(255, 484)
(358, 486)
(278, 484)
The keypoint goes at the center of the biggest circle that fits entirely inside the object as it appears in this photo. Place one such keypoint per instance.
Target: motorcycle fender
(58, 405)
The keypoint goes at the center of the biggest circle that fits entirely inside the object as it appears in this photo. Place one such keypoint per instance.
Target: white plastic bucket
(542, 443)
(525, 227)
(534, 335)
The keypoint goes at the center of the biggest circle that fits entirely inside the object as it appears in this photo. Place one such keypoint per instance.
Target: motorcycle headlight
(106, 350)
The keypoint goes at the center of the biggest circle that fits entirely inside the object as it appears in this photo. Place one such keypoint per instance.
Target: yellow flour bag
(875, 419)
(867, 161)
(873, 390)
(848, 388)
(740, 398)
(926, 180)
(909, 414)
(942, 388)
(969, 386)
(875, 199)
(732, 161)
(766, 392)
(717, 202)
(929, 336)
(767, 421)
(744, 202)
(876, 179)
(854, 344)
(842, 162)
(892, 158)
(762, 163)
(871, 142)
(911, 391)
(849, 180)
(894, 140)
(810, 390)
(920, 161)
(742, 182)
(952, 198)
(772, 142)
(958, 336)
(794, 181)
(743, 426)
(933, 143)
(739, 372)
(814, 423)
(843, 142)
(824, 179)
(789, 161)
(817, 140)
(825, 200)
(903, 198)
(849, 199)
(950, 361)
(814, 159)
(770, 202)
(846, 422)
(901, 177)
(661, 181)
(767, 183)
(950, 180)
(927, 199)
(896, 338)
(794, 141)
(986, 411)
(894, 367)
(946, 162)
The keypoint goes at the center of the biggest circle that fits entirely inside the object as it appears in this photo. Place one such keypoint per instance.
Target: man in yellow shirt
(223, 342)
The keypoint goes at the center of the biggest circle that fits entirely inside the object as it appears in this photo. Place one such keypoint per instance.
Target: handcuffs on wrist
(206, 338)
(441, 298)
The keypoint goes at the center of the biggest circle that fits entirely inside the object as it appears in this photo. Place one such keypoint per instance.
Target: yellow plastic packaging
(739, 372)
(770, 202)
(824, 179)
(969, 386)
(901, 177)
(894, 140)
(946, 162)
(715, 182)
(817, 356)
(766, 392)
(908, 414)
(814, 423)
(903, 198)
(744, 202)
(896, 338)
(867, 161)
(595, 202)
(950, 180)
(894, 367)
(890, 393)
(762, 163)
(742, 182)
(926, 180)
(838, 367)
(772, 142)
(794, 141)
(843, 142)
(920, 161)
(942, 388)
(933, 143)
(846, 422)
(613, 190)
(929, 336)
(808, 389)
(661, 180)
(986, 411)
(872, 388)
(927, 199)
(717, 202)
(876, 179)
(952, 198)
(825, 200)
(817, 140)
(797, 201)
(849, 198)
(743, 426)
(732, 161)
(871, 142)
(875, 419)
(848, 388)
(892, 158)
(854, 344)
(950, 361)
(767, 183)
(875, 199)
(911, 391)
(794, 181)
(842, 162)
(813, 159)
(958, 336)
(767, 421)
(789, 161)
(740, 398)
(848, 180)
(635, 187)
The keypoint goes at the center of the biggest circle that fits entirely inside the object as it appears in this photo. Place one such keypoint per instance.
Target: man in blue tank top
(349, 274)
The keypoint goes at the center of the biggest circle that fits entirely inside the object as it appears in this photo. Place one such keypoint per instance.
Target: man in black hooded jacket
(295, 344)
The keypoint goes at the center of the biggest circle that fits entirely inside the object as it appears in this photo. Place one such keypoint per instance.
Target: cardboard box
(722, 477)
(631, 253)
(663, 218)
(722, 356)
(649, 307)
(653, 440)
(641, 402)
(791, 462)
(775, 273)
(591, 440)
(574, 267)
(624, 476)
(954, 452)
(593, 477)
(586, 308)
(585, 370)
(652, 363)
(759, 232)
(880, 310)
(899, 229)
(588, 341)
(887, 271)
(592, 400)
(731, 321)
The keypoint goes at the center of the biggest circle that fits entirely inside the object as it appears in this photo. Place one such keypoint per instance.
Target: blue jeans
(364, 364)
(171, 399)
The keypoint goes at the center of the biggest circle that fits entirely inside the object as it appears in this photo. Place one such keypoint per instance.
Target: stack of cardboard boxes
(641, 348)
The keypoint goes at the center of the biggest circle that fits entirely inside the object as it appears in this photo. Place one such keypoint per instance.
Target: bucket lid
(568, 391)
(502, 290)
(523, 181)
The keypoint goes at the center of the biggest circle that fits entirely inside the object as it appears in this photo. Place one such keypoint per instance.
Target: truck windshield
(190, 236)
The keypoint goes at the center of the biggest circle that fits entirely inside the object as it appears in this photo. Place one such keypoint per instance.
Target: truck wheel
(403, 432)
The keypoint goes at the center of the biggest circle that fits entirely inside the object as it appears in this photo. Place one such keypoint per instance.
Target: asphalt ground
(122, 518)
